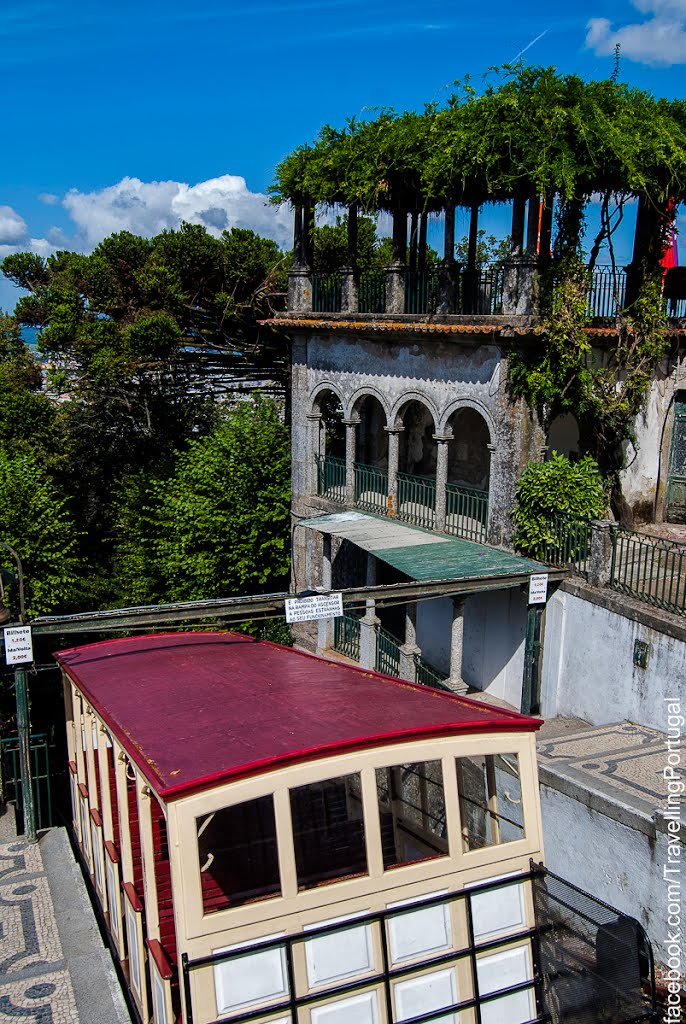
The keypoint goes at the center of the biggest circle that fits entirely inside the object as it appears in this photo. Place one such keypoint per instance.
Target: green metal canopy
(421, 554)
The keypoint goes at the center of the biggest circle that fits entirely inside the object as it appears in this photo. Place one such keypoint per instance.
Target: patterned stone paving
(626, 759)
(35, 986)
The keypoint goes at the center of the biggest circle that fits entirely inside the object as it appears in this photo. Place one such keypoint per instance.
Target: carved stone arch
(318, 390)
(468, 403)
(359, 395)
(395, 419)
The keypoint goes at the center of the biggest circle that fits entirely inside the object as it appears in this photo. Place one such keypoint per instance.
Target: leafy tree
(553, 488)
(219, 524)
(34, 520)
(28, 419)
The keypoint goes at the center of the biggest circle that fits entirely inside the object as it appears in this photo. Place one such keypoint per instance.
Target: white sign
(319, 606)
(538, 588)
(18, 646)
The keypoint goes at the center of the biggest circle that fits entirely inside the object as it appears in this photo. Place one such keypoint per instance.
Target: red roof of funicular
(193, 709)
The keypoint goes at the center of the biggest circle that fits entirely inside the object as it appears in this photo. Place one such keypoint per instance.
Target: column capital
(442, 438)
(354, 421)
(313, 416)
(394, 429)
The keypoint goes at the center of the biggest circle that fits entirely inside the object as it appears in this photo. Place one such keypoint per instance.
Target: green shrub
(553, 488)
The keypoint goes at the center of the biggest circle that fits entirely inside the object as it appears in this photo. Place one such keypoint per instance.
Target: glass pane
(328, 831)
(490, 800)
(238, 855)
(411, 812)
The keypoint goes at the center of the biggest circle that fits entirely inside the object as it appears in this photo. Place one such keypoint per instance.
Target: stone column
(350, 290)
(455, 680)
(395, 273)
(600, 568)
(350, 452)
(393, 454)
(316, 448)
(369, 621)
(493, 526)
(520, 286)
(441, 480)
(410, 648)
(518, 216)
(300, 290)
(325, 627)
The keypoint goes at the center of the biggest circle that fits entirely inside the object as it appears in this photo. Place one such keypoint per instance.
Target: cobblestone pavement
(54, 966)
(35, 985)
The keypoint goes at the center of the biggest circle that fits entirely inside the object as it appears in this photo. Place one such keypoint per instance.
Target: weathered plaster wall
(617, 863)
(645, 477)
(443, 375)
(588, 669)
(494, 632)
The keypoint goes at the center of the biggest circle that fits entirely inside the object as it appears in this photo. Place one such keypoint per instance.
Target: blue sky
(139, 115)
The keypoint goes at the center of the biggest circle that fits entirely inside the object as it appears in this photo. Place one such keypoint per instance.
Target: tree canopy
(533, 130)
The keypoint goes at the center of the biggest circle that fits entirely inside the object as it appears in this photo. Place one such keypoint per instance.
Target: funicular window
(238, 855)
(411, 812)
(490, 800)
(328, 831)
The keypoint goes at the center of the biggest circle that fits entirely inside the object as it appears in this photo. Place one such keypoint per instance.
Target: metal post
(23, 728)
(23, 724)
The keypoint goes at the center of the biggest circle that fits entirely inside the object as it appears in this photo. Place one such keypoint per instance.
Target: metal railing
(425, 675)
(466, 512)
(649, 568)
(606, 292)
(568, 543)
(346, 636)
(40, 777)
(583, 961)
(371, 488)
(416, 500)
(372, 293)
(481, 290)
(331, 478)
(327, 292)
(421, 288)
(387, 653)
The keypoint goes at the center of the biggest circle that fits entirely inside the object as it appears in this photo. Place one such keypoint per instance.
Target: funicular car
(275, 837)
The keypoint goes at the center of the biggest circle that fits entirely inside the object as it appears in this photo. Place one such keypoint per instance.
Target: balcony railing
(331, 478)
(606, 292)
(466, 512)
(372, 293)
(649, 568)
(416, 500)
(346, 636)
(475, 292)
(371, 488)
(387, 653)
(327, 293)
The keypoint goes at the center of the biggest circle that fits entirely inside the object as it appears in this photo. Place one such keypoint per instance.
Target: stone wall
(588, 658)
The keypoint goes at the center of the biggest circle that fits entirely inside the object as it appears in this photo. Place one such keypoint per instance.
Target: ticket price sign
(318, 606)
(538, 588)
(18, 645)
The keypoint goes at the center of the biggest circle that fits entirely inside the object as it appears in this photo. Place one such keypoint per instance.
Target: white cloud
(13, 228)
(660, 39)
(146, 208)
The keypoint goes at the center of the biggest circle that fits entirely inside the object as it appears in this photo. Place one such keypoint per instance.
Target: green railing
(481, 291)
(428, 676)
(416, 499)
(466, 512)
(420, 291)
(649, 568)
(387, 653)
(327, 291)
(331, 478)
(606, 291)
(346, 636)
(371, 488)
(372, 293)
(569, 543)
(40, 778)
